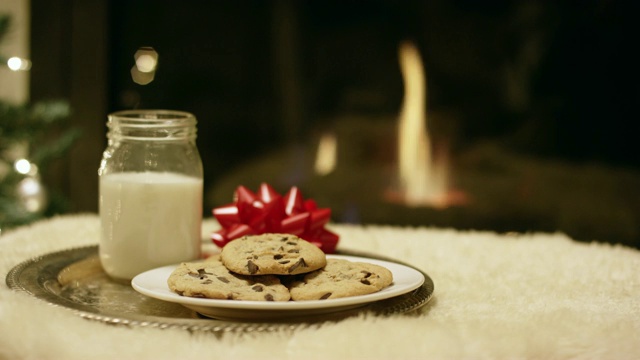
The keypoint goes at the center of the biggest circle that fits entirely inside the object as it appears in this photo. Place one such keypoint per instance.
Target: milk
(148, 220)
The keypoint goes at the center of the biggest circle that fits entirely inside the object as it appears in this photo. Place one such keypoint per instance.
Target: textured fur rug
(537, 296)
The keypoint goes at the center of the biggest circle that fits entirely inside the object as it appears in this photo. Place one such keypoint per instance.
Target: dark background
(548, 82)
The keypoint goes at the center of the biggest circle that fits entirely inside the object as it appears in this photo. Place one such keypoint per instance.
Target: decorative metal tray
(74, 279)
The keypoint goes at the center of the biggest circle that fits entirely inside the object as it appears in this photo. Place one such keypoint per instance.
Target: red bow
(269, 212)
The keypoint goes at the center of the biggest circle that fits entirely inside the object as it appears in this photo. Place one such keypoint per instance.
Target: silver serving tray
(74, 279)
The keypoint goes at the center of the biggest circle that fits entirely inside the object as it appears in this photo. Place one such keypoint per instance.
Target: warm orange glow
(423, 179)
(326, 155)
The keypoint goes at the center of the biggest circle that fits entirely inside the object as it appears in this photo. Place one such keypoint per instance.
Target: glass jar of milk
(150, 192)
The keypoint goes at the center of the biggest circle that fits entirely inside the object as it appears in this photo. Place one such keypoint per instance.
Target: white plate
(153, 283)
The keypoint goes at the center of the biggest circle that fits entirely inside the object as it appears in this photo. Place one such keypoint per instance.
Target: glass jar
(150, 192)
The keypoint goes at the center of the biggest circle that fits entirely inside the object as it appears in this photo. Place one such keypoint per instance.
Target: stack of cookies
(276, 267)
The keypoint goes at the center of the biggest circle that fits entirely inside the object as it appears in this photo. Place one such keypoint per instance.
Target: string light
(23, 166)
(18, 64)
(144, 70)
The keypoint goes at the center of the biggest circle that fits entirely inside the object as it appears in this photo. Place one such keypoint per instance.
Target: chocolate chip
(200, 275)
(257, 288)
(294, 251)
(300, 263)
(268, 297)
(284, 238)
(284, 262)
(253, 268)
(206, 282)
(203, 274)
(223, 279)
(366, 274)
(292, 243)
(278, 256)
(325, 296)
(365, 281)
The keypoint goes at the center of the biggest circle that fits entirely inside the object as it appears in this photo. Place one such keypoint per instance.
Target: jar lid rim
(151, 114)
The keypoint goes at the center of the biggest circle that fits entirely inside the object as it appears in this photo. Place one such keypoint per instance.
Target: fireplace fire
(422, 172)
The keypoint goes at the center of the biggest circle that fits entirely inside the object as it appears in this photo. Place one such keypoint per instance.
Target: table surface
(496, 296)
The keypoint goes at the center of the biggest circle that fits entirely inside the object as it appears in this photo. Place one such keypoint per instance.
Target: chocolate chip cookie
(211, 279)
(341, 278)
(272, 254)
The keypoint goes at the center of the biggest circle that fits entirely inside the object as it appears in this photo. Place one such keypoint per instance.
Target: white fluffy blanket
(537, 296)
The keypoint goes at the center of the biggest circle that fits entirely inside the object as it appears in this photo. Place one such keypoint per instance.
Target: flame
(326, 155)
(422, 178)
